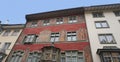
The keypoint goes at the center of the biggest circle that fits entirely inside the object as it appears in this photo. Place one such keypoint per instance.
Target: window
(101, 24)
(6, 33)
(16, 56)
(15, 32)
(97, 14)
(34, 57)
(111, 57)
(72, 19)
(71, 36)
(117, 13)
(54, 37)
(6, 46)
(46, 22)
(30, 39)
(106, 38)
(34, 24)
(72, 56)
(59, 21)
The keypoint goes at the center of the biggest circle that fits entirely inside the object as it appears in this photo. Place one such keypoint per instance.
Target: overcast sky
(15, 10)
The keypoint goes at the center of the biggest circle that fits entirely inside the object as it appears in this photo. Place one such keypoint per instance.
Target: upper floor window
(59, 20)
(6, 33)
(16, 56)
(72, 56)
(117, 13)
(34, 24)
(71, 36)
(46, 22)
(106, 39)
(101, 24)
(15, 32)
(6, 46)
(34, 57)
(30, 39)
(97, 14)
(54, 37)
(72, 19)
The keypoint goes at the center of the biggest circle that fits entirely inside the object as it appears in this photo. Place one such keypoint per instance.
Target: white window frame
(54, 37)
(117, 13)
(34, 24)
(59, 20)
(72, 19)
(46, 22)
(101, 24)
(72, 36)
(30, 38)
(6, 33)
(105, 39)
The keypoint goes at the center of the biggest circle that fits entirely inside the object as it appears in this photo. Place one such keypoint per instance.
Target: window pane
(69, 38)
(104, 24)
(98, 25)
(109, 38)
(102, 38)
(52, 39)
(74, 38)
(74, 59)
(6, 45)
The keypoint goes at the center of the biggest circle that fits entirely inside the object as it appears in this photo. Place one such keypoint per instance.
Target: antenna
(7, 21)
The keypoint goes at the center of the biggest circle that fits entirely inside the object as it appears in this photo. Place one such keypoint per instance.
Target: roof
(56, 13)
(70, 11)
(9, 26)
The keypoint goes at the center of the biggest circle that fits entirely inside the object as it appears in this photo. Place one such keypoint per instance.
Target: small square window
(30, 39)
(34, 24)
(97, 14)
(59, 20)
(117, 13)
(106, 39)
(72, 19)
(46, 22)
(101, 24)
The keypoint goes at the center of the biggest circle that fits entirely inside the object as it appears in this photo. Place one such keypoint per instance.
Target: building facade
(55, 36)
(8, 36)
(103, 22)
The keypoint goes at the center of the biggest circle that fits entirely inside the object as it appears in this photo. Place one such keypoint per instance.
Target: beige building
(8, 36)
(103, 24)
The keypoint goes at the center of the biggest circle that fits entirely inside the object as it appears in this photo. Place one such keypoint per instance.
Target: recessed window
(34, 57)
(34, 24)
(30, 39)
(6, 46)
(72, 56)
(46, 22)
(54, 37)
(111, 57)
(101, 24)
(72, 19)
(59, 20)
(6, 33)
(106, 39)
(16, 56)
(117, 13)
(15, 33)
(71, 36)
(97, 14)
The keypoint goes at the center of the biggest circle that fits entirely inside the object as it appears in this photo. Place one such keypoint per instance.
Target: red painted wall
(55, 28)
(62, 46)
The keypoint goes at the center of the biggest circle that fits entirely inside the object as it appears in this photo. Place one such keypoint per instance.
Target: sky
(14, 11)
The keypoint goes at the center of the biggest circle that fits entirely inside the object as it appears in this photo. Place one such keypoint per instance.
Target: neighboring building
(8, 36)
(55, 36)
(103, 24)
